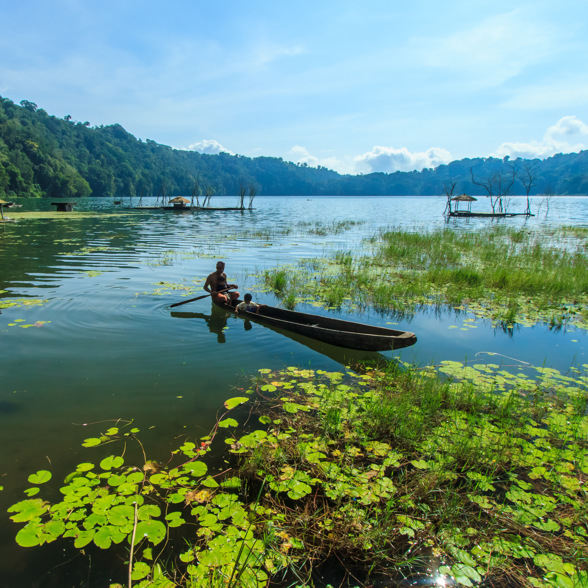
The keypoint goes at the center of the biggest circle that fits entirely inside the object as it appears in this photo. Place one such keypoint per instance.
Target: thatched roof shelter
(179, 202)
(464, 198)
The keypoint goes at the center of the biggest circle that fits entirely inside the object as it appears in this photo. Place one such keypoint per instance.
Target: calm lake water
(105, 345)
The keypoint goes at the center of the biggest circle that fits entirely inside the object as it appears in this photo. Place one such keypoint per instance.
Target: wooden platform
(467, 214)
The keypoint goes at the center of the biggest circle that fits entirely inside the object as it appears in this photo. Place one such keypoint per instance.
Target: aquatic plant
(500, 273)
(468, 472)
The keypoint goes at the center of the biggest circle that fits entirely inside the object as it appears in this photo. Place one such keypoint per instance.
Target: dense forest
(43, 155)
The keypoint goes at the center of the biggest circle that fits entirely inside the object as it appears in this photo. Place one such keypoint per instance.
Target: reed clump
(540, 273)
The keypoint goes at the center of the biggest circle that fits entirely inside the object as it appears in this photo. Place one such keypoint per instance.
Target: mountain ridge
(42, 155)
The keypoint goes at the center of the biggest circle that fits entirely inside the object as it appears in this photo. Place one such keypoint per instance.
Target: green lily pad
(234, 402)
(40, 477)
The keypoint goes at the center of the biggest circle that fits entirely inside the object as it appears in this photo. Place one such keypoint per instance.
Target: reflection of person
(217, 324)
(216, 282)
(247, 305)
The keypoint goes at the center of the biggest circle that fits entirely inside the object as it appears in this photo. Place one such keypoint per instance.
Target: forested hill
(42, 155)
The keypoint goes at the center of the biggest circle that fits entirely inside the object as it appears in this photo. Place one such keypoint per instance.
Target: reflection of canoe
(330, 330)
(356, 359)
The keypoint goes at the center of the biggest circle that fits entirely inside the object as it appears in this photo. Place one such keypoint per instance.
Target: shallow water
(104, 344)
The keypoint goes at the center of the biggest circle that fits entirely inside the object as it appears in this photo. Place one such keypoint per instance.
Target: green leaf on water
(91, 442)
(234, 402)
(121, 514)
(153, 531)
(55, 528)
(103, 537)
(210, 482)
(188, 556)
(112, 461)
(116, 480)
(85, 467)
(32, 491)
(228, 423)
(83, 538)
(27, 510)
(30, 535)
(174, 519)
(253, 438)
(465, 574)
(147, 511)
(40, 477)
(140, 570)
(195, 468)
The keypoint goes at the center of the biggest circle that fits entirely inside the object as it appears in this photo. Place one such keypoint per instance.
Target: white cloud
(390, 159)
(567, 135)
(379, 159)
(209, 146)
(300, 154)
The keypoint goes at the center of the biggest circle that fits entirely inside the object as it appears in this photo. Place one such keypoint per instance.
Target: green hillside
(42, 155)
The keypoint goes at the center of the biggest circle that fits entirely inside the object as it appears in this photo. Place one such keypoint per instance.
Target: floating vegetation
(469, 473)
(20, 302)
(168, 258)
(505, 275)
(334, 228)
(21, 323)
(163, 288)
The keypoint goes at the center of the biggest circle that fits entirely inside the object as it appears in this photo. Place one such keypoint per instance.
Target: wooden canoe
(330, 330)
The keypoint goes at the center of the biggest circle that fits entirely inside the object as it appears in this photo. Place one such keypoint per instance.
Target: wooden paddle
(198, 297)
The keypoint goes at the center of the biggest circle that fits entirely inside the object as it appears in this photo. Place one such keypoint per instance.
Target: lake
(102, 343)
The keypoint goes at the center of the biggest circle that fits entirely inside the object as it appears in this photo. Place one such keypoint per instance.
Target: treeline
(43, 155)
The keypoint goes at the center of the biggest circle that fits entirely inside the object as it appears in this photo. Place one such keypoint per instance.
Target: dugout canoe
(330, 330)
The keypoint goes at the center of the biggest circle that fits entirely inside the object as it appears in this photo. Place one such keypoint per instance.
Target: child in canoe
(248, 305)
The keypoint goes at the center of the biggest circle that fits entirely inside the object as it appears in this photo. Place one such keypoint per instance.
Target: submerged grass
(507, 275)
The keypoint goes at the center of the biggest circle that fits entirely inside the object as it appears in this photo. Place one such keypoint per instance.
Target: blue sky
(356, 86)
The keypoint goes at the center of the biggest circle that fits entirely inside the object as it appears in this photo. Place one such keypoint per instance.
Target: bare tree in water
(448, 189)
(252, 194)
(527, 176)
(497, 185)
(208, 196)
(242, 194)
(548, 194)
(196, 192)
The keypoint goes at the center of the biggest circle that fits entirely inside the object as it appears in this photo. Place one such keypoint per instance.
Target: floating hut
(179, 202)
(464, 198)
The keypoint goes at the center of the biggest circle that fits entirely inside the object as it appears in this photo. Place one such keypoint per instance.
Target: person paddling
(217, 282)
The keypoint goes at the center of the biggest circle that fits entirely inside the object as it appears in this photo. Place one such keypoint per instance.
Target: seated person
(216, 284)
(248, 305)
